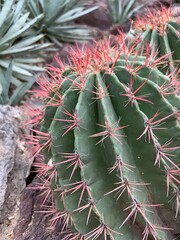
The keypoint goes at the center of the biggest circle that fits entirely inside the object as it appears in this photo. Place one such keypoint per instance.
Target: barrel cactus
(160, 29)
(110, 140)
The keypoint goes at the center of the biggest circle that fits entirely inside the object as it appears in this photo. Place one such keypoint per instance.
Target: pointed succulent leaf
(20, 91)
(5, 11)
(15, 33)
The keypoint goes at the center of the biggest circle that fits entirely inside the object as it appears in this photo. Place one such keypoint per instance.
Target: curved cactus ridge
(110, 137)
(160, 30)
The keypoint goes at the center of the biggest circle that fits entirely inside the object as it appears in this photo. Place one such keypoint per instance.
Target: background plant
(18, 51)
(122, 10)
(57, 22)
(22, 40)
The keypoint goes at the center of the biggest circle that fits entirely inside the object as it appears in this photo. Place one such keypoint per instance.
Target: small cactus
(160, 29)
(110, 139)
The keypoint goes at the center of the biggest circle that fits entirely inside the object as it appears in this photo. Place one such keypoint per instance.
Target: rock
(14, 168)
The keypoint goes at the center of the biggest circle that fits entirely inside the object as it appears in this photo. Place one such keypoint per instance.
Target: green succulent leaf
(5, 79)
(19, 28)
(20, 91)
(57, 23)
(5, 11)
(120, 10)
(73, 14)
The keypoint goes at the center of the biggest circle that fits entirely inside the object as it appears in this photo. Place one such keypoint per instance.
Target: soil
(33, 223)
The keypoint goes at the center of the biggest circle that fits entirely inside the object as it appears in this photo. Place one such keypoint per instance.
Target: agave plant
(17, 62)
(57, 20)
(110, 139)
(122, 10)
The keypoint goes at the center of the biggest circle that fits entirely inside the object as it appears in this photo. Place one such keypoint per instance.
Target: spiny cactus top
(110, 139)
(160, 29)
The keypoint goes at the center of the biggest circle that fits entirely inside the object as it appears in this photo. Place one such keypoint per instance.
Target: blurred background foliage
(28, 29)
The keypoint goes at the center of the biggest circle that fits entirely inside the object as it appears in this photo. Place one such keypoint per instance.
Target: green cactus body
(114, 146)
(161, 31)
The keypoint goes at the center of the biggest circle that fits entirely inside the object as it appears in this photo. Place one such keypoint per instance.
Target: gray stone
(14, 168)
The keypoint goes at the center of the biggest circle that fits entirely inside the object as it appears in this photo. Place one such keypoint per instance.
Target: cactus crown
(155, 19)
(110, 140)
(160, 30)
